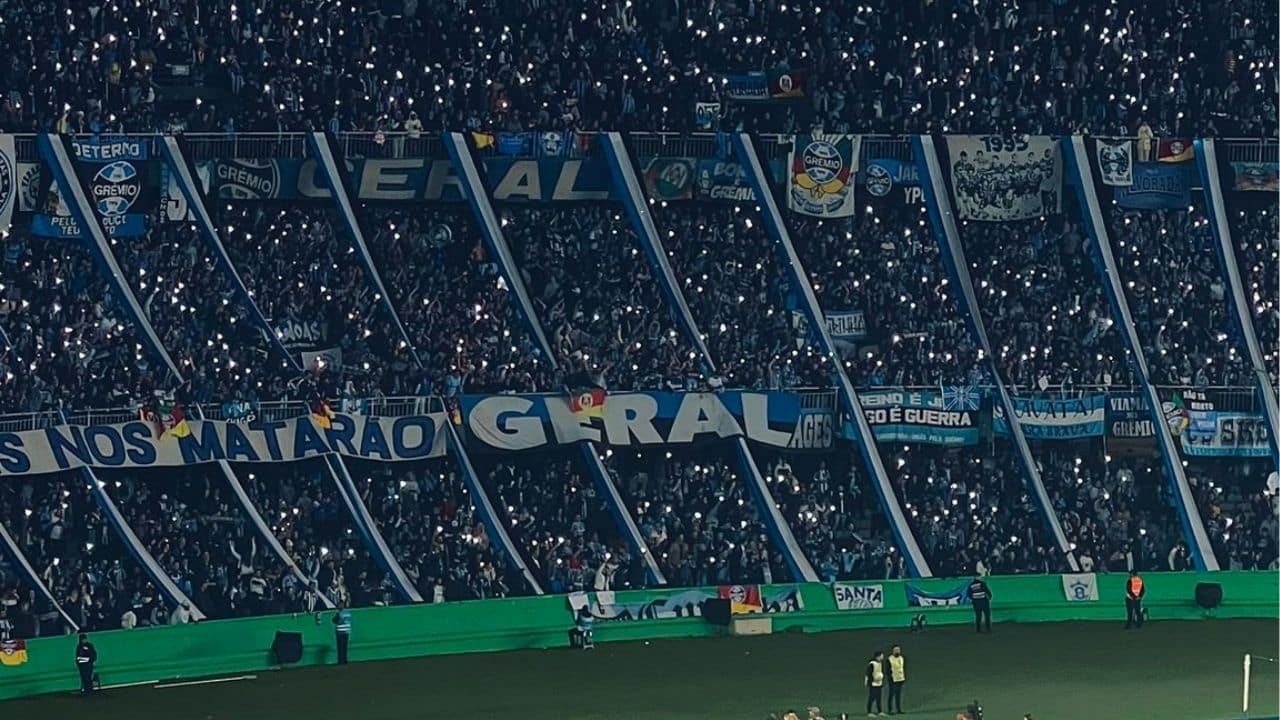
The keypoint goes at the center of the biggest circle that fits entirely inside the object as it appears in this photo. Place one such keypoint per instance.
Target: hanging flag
(1115, 162)
(8, 182)
(743, 599)
(1175, 150)
(554, 143)
(589, 403)
(820, 174)
(13, 652)
(483, 140)
(322, 413)
(166, 418)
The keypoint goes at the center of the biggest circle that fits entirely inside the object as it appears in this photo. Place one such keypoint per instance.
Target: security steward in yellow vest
(1134, 591)
(875, 683)
(897, 678)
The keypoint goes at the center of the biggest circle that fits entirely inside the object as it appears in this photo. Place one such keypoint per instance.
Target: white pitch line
(125, 685)
(207, 682)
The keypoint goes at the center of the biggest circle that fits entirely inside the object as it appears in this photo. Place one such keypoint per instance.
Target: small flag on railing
(13, 652)
(589, 403)
(322, 413)
(167, 419)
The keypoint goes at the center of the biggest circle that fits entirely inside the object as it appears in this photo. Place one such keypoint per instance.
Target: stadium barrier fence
(244, 645)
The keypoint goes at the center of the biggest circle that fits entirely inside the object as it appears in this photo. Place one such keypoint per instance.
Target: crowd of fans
(427, 517)
(1116, 513)
(306, 512)
(971, 511)
(1046, 314)
(65, 536)
(1256, 236)
(1177, 295)
(740, 297)
(1239, 512)
(556, 514)
(1194, 68)
(69, 341)
(200, 319)
(884, 262)
(454, 302)
(599, 303)
(697, 517)
(196, 530)
(834, 515)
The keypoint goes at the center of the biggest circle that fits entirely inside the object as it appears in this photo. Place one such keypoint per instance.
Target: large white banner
(1115, 162)
(8, 182)
(524, 422)
(858, 596)
(820, 174)
(1080, 587)
(139, 444)
(1002, 178)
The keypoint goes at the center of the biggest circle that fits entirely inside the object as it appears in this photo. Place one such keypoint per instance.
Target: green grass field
(1166, 671)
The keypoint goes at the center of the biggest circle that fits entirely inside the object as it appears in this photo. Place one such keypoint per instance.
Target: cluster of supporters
(284, 538)
(1193, 69)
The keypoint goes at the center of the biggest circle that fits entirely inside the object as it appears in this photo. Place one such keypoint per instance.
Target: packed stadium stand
(377, 290)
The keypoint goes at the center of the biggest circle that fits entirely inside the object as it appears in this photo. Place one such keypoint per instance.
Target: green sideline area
(1055, 668)
(1169, 670)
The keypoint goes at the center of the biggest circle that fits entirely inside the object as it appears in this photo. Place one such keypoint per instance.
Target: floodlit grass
(1067, 671)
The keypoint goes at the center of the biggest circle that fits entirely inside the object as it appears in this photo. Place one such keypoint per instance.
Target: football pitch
(1165, 671)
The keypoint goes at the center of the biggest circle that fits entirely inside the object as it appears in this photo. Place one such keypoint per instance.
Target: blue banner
(882, 175)
(514, 143)
(1156, 185)
(1056, 418)
(917, 417)
(923, 598)
(1215, 433)
(524, 422)
(114, 174)
(724, 180)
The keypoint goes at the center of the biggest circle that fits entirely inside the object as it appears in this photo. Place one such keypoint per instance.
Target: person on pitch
(874, 681)
(86, 657)
(897, 678)
(1134, 591)
(980, 596)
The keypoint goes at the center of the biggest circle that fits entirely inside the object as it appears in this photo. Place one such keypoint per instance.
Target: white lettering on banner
(117, 148)
(858, 597)
(508, 422)
(135, 444)
(1000, 178)
(847, 324)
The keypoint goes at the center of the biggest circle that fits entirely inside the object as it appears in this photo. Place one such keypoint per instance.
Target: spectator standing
(342, 631)
(980, 596)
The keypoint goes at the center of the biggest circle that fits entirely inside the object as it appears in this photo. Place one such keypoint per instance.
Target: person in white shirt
(181, 615)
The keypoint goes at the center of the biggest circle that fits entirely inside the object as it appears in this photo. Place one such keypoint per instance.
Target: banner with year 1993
(1003, 178)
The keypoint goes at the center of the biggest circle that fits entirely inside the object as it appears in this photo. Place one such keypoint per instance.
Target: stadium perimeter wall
(244, 645)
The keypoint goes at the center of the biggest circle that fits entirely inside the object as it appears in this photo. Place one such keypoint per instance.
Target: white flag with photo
(998, 178)
(1115, 162)
(1080, 587)
(8, 182)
